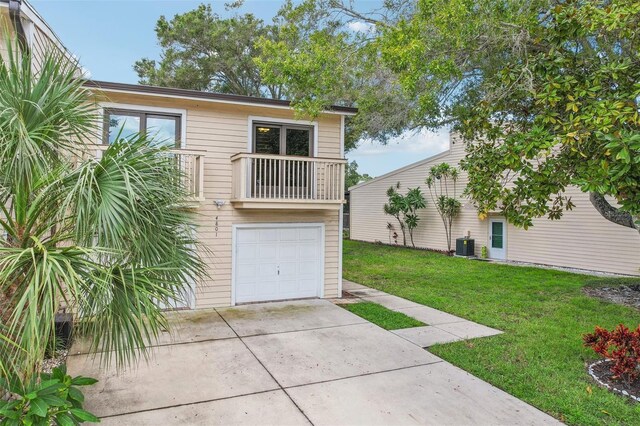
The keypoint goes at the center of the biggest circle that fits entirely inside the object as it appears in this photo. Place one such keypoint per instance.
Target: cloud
(422, 142)
(360, 27)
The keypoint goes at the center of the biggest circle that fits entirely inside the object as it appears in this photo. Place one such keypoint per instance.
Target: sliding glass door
(278, 177)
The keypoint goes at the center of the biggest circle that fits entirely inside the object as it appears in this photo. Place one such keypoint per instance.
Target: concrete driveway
(293, 363)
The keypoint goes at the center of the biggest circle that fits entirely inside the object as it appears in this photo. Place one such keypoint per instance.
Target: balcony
(191, 163)
(262, 181)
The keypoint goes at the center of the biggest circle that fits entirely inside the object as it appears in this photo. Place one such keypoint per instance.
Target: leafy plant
(442, 187)
(107, 237)
(484, 252)
(353, 177)
(404, 208)
(53, 399)
(621, 346)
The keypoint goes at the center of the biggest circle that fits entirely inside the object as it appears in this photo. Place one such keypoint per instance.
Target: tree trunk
(611, 213)
(404, 236)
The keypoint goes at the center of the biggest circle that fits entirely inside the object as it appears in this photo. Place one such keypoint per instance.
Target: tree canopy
(544, 92)
(353, 177)
(202, 51)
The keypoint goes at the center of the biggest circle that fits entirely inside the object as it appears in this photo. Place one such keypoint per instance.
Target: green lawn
(540, 357)
(379, 315)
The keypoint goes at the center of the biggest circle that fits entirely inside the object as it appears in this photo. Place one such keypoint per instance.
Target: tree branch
(612, 214)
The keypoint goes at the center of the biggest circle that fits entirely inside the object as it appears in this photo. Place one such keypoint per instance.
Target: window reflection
(163, 130)
(123, 126)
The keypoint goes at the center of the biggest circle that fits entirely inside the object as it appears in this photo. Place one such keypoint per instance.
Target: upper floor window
(123, 123)
(282, 139)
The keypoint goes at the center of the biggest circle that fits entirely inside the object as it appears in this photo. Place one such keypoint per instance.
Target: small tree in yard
(404, 209)
(442, 187)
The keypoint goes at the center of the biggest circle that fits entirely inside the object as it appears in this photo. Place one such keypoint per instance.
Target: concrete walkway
(441, 326)
(302, 362)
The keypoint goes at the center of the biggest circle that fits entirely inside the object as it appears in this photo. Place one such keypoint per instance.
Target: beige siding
(222, 130)
(369, 223)
(581, 239)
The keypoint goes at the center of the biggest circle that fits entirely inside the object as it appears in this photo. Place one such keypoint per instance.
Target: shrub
(621, 346)
(53, 399)
(404, 208)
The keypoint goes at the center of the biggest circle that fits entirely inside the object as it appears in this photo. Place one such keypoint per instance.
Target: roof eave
(107, 86)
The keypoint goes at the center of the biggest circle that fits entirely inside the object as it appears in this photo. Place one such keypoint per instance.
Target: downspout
(15, 15)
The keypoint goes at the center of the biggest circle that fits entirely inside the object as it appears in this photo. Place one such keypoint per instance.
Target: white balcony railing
(261, 177)
(191, 163)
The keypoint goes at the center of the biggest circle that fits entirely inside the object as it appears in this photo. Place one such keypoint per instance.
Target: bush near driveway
(540, 358)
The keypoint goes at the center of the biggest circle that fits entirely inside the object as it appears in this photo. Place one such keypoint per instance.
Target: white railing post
(200, 164)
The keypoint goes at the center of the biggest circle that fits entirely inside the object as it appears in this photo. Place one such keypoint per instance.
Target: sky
(108, 36)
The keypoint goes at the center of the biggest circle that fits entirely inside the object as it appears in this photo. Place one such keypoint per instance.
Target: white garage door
(275, 262)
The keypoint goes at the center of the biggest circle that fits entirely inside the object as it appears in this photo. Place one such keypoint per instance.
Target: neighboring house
(268, 189)
(581, 239)
(20, 18)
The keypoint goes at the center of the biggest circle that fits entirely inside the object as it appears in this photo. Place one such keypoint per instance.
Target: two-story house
(268, 188)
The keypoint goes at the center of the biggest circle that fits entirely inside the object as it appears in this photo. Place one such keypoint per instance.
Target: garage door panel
(283, 262)
(289, 269)
(249, 236)
(307, 251)
(266, 288)
(247, 273)
(290, 235)
(308, 234)
(288, 251)
(245, 290)
(268, 235)
(266, 252)
(289, 286)
(267, 271)
(307, 268)
(307, 286)
(247, 253)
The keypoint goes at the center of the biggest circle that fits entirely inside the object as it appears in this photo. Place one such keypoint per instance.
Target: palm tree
(108, 238)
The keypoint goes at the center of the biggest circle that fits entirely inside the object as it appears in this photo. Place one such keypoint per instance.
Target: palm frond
(107, 238)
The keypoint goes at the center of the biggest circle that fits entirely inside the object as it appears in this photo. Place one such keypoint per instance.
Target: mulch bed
(628, 295)
(58, 359)
(600, 371)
